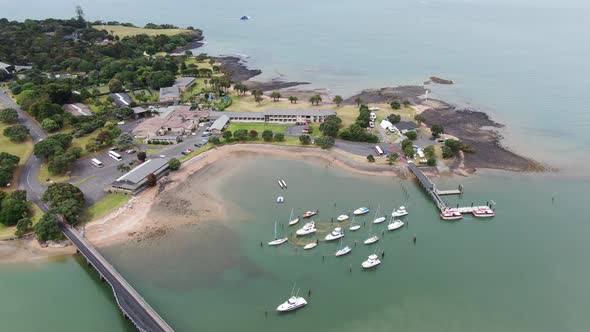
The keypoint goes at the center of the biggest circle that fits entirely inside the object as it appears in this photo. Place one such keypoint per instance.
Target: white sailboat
(371, 261)
(335, 234)
(373, 238)
(354, 227)
(343, 250)
(378, 220)
(277, 241)
(291, 220)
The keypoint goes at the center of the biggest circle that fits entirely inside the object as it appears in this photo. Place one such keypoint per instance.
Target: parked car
(131, 151)
(187, 151)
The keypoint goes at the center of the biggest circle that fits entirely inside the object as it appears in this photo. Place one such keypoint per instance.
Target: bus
(115, 155)
(378, 150)
(96, 162)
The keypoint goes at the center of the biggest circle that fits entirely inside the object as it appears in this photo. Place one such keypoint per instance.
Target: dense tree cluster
(8, 164)
(17, 133)
(452, 147)
(8, 115)
(65, 199)
(13, 207)
(331, 126)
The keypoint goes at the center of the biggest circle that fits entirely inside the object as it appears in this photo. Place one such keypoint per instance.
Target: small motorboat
(335, 234)
(451, 214)
(291, 220)
(394, 224)
(361, 210)
(379, 220)
(306, 229)
(343, 251)
(342, 217)
(372, 239)
(371, 261)
(280, 199)
(400, 212)
(245, 18)
(354, 227)
(293, 303)
(310, 246)
(483, 212)
(310, 214)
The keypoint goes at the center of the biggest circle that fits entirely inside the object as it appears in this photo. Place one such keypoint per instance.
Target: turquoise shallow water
(522, 270)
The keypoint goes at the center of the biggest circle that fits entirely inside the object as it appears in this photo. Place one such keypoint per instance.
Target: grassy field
(106, 205)
(259, 127)
(44, 175)
(121, 31)
(8, 232)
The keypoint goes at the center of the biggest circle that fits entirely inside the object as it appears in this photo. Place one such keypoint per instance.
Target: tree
(331, 125)
(395, 105)
(13, 208)
(215, 140)
(392, 158)
(52, 145)
(437, 130)
(315, 99)
(305, 139)
(279, 137)
(241, 134)
(49, 125)
(412, 135)
(431, 162)
(173, 164)
(123, 168)
(61, 163)
(371, 158)
(253, 134)
(141, 156)
(394, 118)
(115, 85)
(358, 101)
(227, 135)
(293, 99)
(17, 133)
(8, 164)
(419, 118)
(325, 142)
(123, 141)
(267, 135)
(46, 229)
(152, 180)
(23, 226)
(337, 100)
(43, 109)
(8, 115)
(257, 93)
(275, 95)
(80, 17)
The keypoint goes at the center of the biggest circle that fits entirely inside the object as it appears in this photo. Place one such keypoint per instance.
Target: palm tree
(275, 96)
(337, 100)
(358, 101)
(257, 93)
(316, 99)
(293, 99)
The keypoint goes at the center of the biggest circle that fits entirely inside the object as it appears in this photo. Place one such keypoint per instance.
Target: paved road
(133, 305)
(30, 171)
(360, 148)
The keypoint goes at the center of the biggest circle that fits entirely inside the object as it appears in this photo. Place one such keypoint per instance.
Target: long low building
(278, 116)
(136, 179)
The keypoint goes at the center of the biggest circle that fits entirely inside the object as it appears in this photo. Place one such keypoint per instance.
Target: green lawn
(121, 31)
(22, 150)
(44, 175)
(259, 127)
(106, 205)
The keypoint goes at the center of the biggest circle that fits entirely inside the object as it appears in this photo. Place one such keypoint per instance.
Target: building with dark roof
(135, 180)
(184, 83)
(219, 124)
(405, 126)
(170, 94)
(122, 99)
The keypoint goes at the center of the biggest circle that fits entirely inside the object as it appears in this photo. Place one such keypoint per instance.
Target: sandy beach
(148, 214)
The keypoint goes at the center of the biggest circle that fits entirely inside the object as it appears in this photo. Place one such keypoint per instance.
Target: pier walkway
(134, 307)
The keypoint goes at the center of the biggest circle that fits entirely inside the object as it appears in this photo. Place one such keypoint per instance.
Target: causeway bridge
(134, 307)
